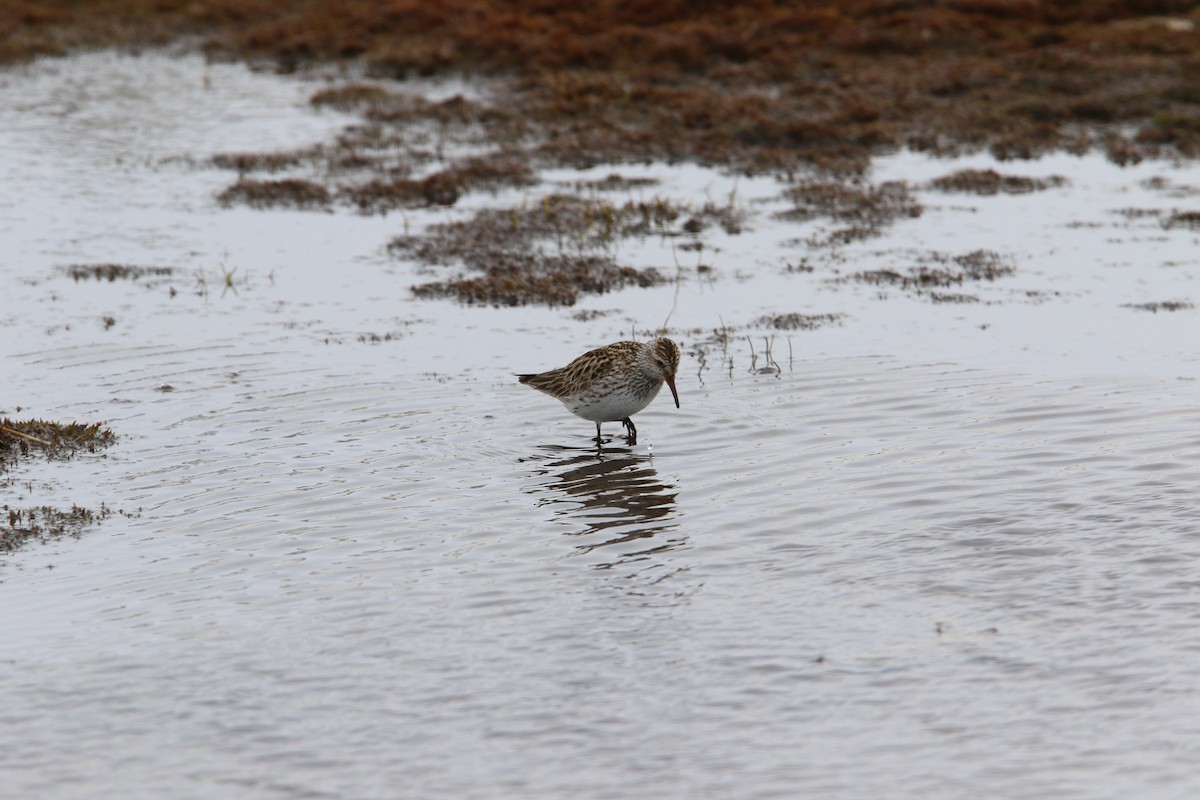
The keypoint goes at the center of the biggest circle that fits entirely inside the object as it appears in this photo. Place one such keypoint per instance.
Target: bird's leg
(628, 423)
(599, 441)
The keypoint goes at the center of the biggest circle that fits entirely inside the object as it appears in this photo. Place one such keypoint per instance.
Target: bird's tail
(542, 381)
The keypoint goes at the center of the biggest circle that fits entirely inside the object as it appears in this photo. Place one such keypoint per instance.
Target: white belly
(611, 406)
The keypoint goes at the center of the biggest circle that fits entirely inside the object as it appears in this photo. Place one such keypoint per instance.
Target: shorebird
(612, 383)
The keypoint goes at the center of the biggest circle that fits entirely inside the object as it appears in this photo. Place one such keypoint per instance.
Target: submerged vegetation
(55, 440)
(935, 270)
(1165, 305)
(22, 439)
(798, 322)
(864, 208)
(989, 182)
(440, 188)
(44, 523)
(114, 272)
(265, 194)
(552, 250)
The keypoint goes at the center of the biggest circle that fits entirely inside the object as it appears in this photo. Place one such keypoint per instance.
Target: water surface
(935, 551)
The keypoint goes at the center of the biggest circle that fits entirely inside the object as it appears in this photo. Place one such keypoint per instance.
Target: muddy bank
(760, 86)
(809, 93)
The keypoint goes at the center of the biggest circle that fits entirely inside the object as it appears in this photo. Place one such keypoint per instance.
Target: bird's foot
(630, 430)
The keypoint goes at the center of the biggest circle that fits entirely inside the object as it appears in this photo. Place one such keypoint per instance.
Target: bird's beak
(671, 382)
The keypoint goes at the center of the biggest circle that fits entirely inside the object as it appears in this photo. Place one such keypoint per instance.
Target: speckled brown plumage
(612, 383)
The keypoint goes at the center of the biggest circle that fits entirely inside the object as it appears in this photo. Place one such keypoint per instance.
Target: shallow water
(943, 551)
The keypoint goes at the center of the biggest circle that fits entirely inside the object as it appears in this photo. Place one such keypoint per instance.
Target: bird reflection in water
(617, 494)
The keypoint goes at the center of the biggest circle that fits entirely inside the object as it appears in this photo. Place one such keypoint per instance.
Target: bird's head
(662, 357)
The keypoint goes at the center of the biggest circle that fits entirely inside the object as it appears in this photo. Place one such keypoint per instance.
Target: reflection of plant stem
(770, 364)
(201, 284)
(678, 285)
